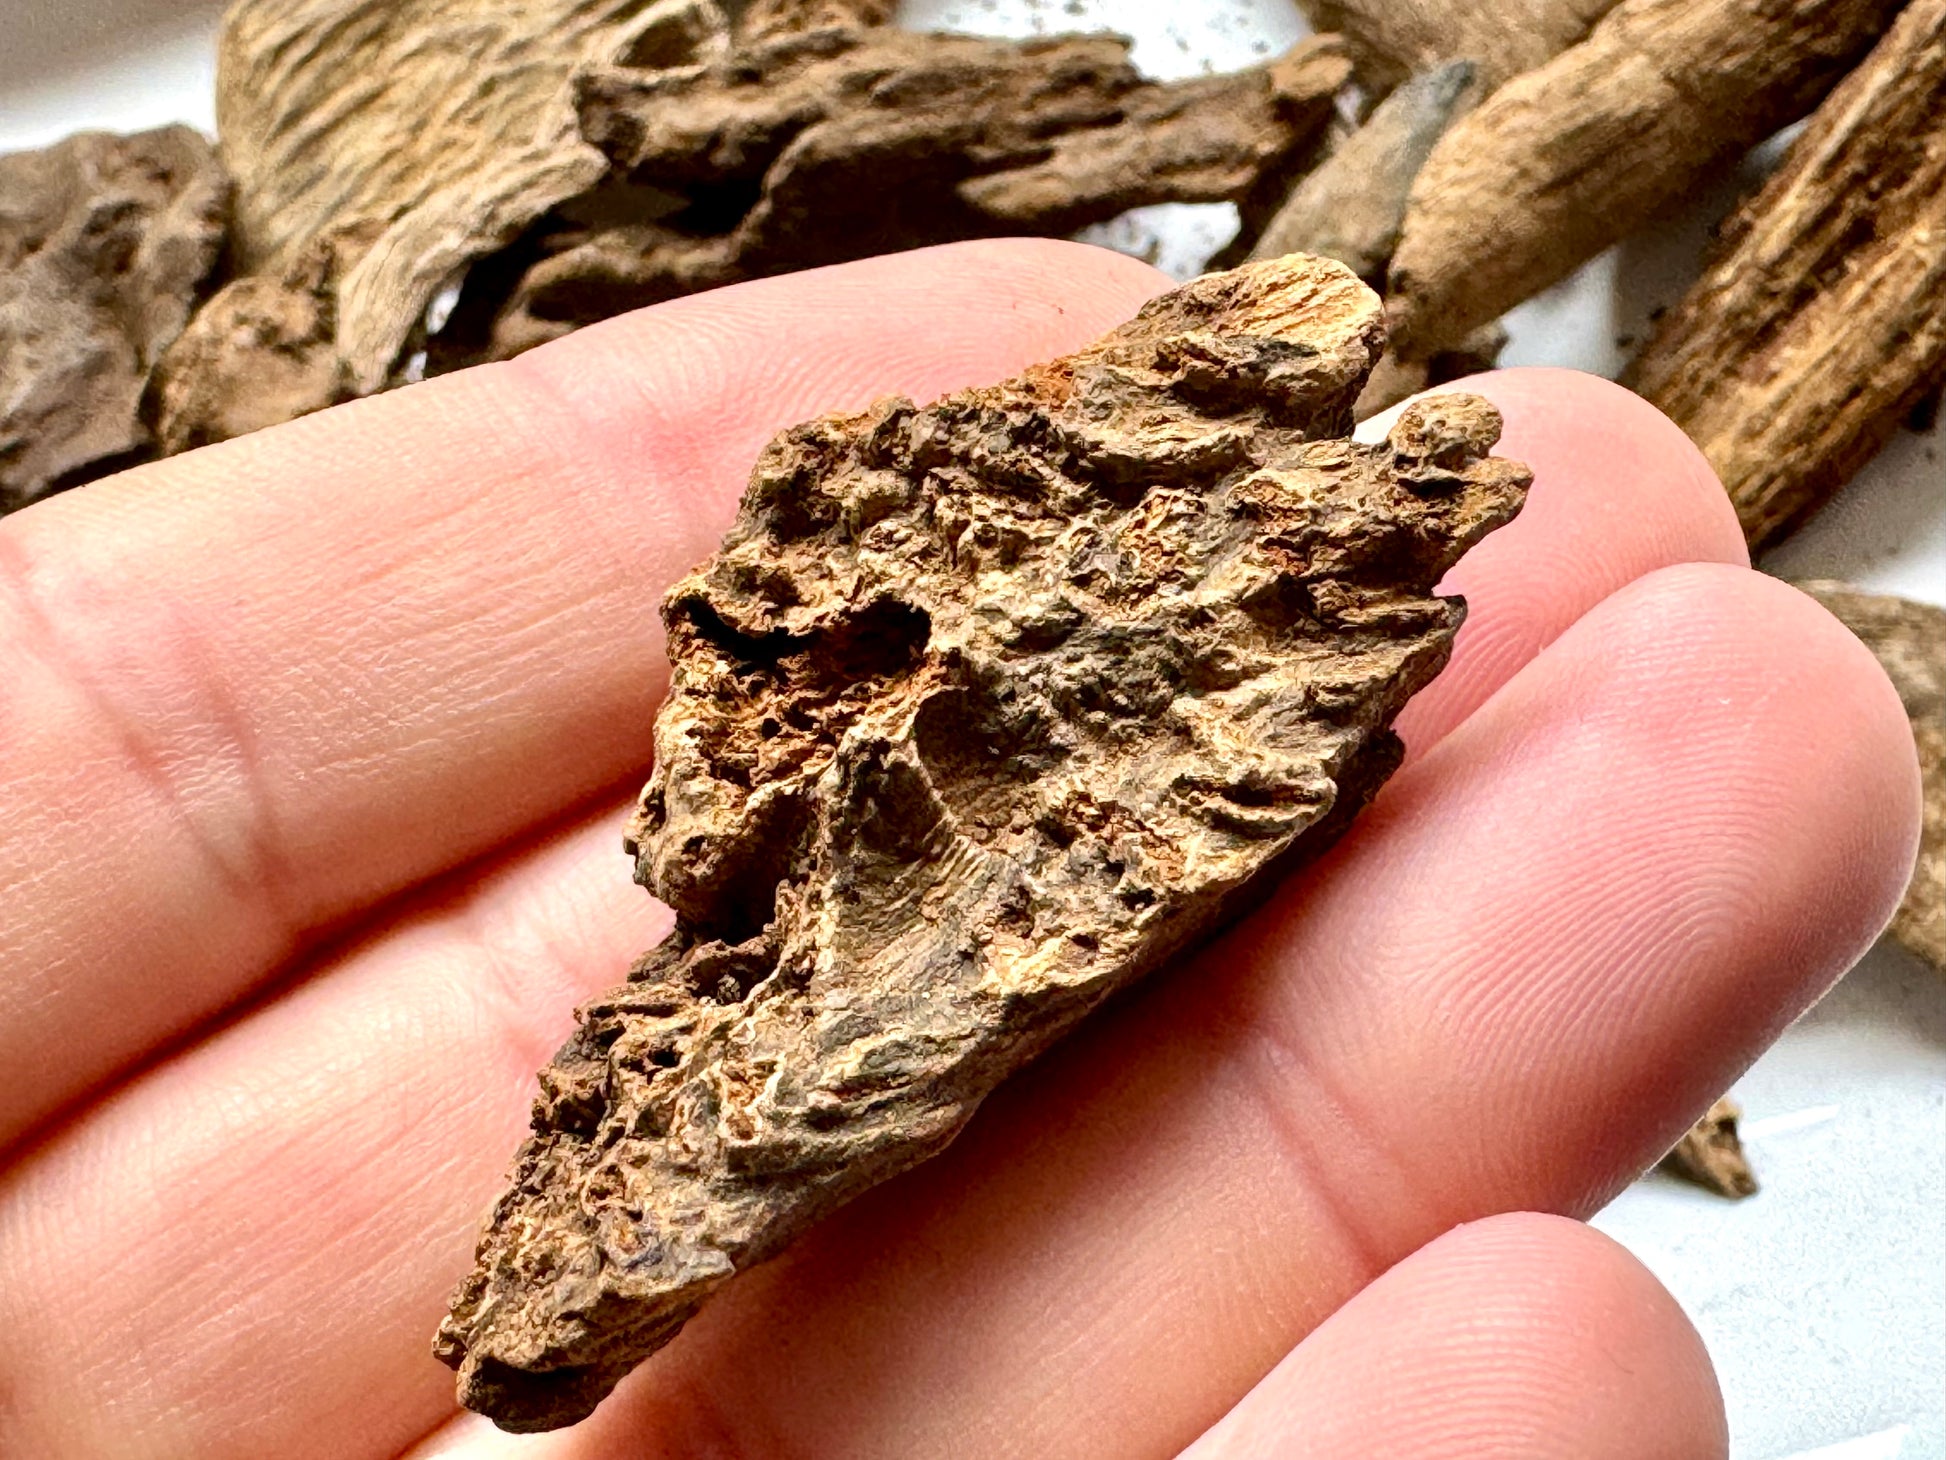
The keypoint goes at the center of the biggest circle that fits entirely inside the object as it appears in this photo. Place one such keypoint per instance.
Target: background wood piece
(1821, 321)
(435, 131)
(1350, 207)
(1710, 1154)
(816, 149)
(105, 242)
(759, 18)
(1910, 641)
(1563, 161)
(1393, 39)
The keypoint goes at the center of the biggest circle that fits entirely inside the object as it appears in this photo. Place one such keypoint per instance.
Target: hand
(316, 747)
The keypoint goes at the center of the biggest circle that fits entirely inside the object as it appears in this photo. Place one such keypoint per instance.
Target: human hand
(316, 748)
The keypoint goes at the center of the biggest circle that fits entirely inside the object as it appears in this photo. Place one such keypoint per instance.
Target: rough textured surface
(982, 711)
(430, 131)
(840, 143)
(1350, 207)
(777, 17)
(1392, 39)
(104, 244)
(1560, 163)
(1910, 641)
(263, 350)
(1710, 1154)
(1820, 324)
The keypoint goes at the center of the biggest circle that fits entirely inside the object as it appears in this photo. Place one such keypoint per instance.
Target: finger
(1520, 1337)
(1512, 988)
(272, 1219)
(1618, 492)
(248, 690)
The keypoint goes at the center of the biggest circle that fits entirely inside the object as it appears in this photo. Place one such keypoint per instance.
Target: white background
(1823, 1299)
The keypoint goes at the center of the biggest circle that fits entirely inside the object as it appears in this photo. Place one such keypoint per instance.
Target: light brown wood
(1822, 321)
(1392, 39)
(1563, 161)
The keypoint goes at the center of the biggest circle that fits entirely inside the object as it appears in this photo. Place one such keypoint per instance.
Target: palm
(315, 749)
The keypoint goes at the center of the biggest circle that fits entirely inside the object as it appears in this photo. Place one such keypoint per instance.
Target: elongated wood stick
(1392, 39)
(1822, 321)
(1563, 161)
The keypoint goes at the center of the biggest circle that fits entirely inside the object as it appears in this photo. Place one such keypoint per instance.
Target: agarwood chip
(1350, 207)
(105, 242)
(1392, 39)
(1563, 161)
(1820, 323)
(983, 711)
(1710, 1154)
(431, 131)
(839, 144)
(1910, 641)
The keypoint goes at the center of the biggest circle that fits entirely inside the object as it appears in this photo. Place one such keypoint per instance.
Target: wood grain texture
(1394, 39)
(428, 132)
(1563, 161)
(982, 712)
(1820, 323)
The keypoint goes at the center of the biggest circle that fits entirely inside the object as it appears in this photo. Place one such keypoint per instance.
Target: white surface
(1823, 1299)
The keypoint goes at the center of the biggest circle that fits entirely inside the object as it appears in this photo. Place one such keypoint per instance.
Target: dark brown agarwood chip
(1563, 161)
(1392, 39)
(1350, 207)
(105, 242)
(838, 144)
(1710, 1154)
(982, 712)
(1820, 324)
(1910, 641)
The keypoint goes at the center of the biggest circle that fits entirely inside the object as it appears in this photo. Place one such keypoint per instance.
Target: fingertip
(1516, 1337)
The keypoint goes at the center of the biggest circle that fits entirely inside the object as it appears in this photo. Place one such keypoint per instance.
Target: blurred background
(1822, 1298)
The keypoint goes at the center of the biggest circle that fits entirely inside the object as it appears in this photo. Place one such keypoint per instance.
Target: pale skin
(315, 748)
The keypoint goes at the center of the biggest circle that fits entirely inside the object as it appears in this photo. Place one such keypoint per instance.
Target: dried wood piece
(432, 132)
(105, 242)
(982, 712)
(834, 145)
(1710, 1154)
(1350, 207)
(1821, 323)
(1910, 641)
(1393, 39)
(1563, 161)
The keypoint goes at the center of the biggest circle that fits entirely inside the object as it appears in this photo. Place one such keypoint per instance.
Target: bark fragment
(1563, 161)
(428, 132)
(838, 144)
(982, 712)
(1710, 1154)
(1393, 39)
(105, 242)
(1910, 641)
(1821, 323)
(1351, 206)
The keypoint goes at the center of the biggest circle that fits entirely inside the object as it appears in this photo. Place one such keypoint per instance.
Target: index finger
(248, 691)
